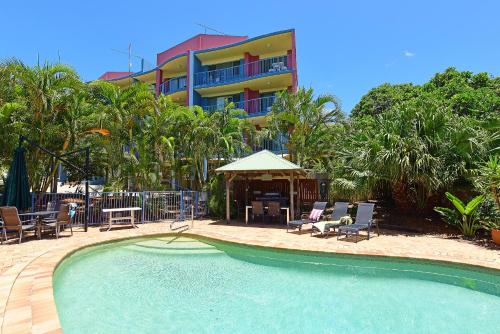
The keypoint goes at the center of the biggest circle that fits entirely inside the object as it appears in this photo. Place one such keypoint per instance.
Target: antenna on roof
(211, 29)
(130, 55)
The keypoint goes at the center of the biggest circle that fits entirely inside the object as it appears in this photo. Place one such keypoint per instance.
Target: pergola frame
(280, 169)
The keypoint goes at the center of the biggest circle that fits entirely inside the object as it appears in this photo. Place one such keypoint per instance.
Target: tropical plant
(37, 107)
(463, 215)
(465, 93)
(414, 151)
(488, 179)
(307, 122)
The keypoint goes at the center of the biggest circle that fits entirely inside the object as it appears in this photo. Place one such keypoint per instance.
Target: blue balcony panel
(254, 107)
(259, 68)
(173, 85)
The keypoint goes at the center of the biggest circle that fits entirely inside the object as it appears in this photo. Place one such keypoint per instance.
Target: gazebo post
(299, 198)
(229, 178)
(292, 213)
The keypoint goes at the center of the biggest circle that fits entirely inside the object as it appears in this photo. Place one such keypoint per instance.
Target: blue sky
(343, 47)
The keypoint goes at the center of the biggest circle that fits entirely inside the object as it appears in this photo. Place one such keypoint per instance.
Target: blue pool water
(180, 285)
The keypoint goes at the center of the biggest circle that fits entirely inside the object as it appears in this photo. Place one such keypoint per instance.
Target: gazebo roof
(263, 161)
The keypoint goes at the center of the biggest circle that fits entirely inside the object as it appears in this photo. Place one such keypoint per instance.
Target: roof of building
(110, 75)
(198, 43)
(260, 161)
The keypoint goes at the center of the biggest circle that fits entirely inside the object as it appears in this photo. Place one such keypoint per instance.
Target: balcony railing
(173, 85)
(237, 73)
(254, 107)
(278, 145)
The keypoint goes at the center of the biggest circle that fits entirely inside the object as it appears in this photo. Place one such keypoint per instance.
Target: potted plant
(494, 228)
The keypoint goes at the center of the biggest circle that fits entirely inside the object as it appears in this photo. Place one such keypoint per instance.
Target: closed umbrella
(17, 189)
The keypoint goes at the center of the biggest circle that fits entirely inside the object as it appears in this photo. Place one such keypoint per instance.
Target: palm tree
(306, 121)
(418, 151)
(123, 112)
(39, 101)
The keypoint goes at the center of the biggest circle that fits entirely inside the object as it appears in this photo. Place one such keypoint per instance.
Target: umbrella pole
(85, 172)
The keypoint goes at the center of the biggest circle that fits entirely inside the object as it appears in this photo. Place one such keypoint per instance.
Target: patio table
(282, 208)
(39, 219)
(130, 218)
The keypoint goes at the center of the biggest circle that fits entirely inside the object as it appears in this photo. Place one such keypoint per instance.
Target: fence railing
(254, 107)
(156, 205)
(173, 85)
(277, 146)
(247, 70)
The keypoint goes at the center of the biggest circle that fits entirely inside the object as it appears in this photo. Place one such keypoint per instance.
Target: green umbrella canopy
(17, 188)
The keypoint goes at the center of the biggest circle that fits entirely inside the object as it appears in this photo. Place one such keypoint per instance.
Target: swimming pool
(173, 284)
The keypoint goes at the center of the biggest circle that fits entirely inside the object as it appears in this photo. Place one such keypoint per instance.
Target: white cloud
(409, 54)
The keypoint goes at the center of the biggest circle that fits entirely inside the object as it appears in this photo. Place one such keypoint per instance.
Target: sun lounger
(363, 221)
(338, 217)
(310, 218)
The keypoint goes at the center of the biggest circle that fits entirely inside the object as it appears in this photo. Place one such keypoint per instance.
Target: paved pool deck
(26, 296)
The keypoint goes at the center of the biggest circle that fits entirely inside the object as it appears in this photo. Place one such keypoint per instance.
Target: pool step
(170, 245)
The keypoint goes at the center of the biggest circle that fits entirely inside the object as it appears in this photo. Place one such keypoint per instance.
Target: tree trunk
(401, 198)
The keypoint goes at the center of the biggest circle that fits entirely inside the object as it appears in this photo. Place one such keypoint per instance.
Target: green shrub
(463, 217)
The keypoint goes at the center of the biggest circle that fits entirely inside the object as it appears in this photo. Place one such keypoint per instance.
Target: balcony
(259, 68)
(277, 146)
(254, 107)
(173, 85)
(272, 145)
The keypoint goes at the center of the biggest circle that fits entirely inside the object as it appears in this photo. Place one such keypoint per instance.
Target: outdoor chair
(257, 210)
(313, 217)
(363, 221)
(61, 221)
(51, 206)
(274, 211)
(12, 223)
(338, 218)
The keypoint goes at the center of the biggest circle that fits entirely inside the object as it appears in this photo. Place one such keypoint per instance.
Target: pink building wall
(198, 42)
(113, 75)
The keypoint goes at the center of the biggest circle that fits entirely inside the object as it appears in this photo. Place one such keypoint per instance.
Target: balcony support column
(190, 78)
(159, 79)
(250, 69)
(250, 96)
(292, 63)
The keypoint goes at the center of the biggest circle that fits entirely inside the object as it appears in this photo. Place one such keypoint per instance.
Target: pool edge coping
(57, 255)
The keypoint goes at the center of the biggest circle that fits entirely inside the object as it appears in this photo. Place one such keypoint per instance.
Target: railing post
(32, 201)
(192, 215)
(143, 206)
(197, 204)
(182, 206)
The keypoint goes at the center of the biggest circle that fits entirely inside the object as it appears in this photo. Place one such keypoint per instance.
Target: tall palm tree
(41, 99)
(306, 121)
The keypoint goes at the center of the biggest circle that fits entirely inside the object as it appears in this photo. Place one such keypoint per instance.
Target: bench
(130, 218)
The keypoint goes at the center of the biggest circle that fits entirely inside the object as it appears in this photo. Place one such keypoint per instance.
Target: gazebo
(265, 166)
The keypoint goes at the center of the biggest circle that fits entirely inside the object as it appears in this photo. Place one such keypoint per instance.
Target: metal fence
(155, 205)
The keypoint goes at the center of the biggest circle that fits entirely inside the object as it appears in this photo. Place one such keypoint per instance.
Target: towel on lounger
(323, 225)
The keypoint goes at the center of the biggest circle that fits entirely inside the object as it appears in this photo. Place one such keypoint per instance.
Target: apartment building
(211, 70)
